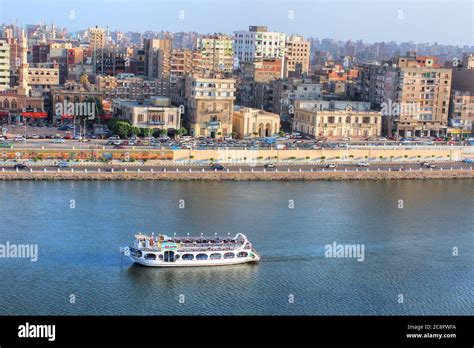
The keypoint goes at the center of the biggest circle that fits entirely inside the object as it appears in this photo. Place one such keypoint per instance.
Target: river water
(417, 237)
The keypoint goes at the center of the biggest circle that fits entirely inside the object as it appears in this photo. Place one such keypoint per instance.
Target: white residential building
(258, 42)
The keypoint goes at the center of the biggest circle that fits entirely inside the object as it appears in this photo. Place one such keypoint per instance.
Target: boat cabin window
(201, 257)
(188, 257)
(229, 255)
(160, 256)
(216, 256)
(150, 257)
(242, 254)
(136, 253)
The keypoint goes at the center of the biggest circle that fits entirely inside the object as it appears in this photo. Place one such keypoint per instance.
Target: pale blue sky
(445, 22)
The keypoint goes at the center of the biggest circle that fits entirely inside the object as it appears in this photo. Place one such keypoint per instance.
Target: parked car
(58, 141)
(363, 164)
(5, 144)
(35, 136)
(18, 138)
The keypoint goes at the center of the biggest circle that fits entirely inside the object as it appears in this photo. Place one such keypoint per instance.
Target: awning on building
(35, 114)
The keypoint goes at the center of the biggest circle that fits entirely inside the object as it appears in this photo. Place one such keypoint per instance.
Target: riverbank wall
(242, 176)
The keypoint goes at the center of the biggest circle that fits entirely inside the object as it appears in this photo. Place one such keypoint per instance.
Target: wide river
(418, 240)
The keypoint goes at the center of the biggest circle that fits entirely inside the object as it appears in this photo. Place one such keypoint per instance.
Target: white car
(18, 139)
(363, 164)
(58, 141)
(331, 165)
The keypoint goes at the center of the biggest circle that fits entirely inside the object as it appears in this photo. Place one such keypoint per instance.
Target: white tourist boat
(164, 251)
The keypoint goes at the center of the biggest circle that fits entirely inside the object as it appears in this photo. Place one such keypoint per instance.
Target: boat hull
(194, 263)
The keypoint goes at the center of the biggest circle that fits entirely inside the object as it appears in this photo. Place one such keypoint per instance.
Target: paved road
(68, 144)
(244, 168)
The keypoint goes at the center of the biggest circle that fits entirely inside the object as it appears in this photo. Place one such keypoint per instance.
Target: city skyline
(403, 21)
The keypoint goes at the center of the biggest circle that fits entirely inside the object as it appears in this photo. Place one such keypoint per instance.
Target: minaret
(23, 69)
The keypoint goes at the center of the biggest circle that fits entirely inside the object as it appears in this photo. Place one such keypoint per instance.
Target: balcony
(156, 123)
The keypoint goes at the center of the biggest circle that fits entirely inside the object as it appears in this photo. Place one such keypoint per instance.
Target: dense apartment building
(412, 92)
(155, 113)
(250, 122)
(128, 86)
(209, 106)
(216, 53)
(252, 75)
(337, 119)
(158, 62)
(181, 63)
(461, 109)
(297, 54)
(4, 65)
(41, 76)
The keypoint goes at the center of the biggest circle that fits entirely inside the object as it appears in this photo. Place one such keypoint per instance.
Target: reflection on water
(177, 276)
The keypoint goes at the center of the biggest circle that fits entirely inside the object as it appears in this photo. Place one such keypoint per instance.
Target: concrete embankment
(244, 176)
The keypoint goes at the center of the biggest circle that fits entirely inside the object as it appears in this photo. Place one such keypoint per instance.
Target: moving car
(468, 160)
(20, 166)
(217, 166)
(428, 165)
(63, 165)
(18, 138)
(58, 141)
(269, 165)
(331, 165)
(363, 164)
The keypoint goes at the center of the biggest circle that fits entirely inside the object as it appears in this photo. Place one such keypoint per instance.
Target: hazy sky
(445, 22)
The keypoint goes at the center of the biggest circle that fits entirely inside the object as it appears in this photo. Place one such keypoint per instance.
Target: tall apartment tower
(4, 65)
(297, 53)
(157, 57)
(23, 86)
(258, 43)
(428, 87)
(97, 37)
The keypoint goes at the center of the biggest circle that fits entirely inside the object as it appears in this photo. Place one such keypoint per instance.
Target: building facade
(209, 106)
(340, 119)
(297, 54)
(156, 113)
(249, 123)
